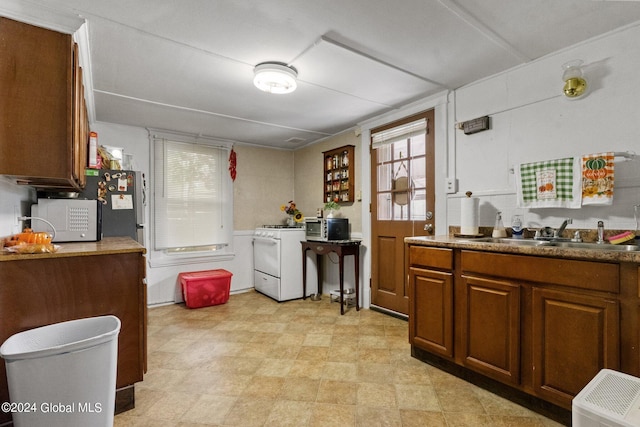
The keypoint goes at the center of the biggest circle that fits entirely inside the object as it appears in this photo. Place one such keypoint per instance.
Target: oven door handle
(268, 240)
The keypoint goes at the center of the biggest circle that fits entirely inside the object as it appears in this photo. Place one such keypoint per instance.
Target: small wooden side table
(342, 248)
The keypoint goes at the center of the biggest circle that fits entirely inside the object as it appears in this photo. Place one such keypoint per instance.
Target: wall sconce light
(275, 77)
(574, 83)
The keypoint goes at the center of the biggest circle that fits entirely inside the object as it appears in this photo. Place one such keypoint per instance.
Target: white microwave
(74, 220)
(326, 229)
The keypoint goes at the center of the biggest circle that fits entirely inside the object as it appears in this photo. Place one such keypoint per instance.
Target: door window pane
(384, 206)
(384, 153)
(418, 144)
(400, 212)
(400, 150)
(418, 205)
(418, 172)
(384, 177)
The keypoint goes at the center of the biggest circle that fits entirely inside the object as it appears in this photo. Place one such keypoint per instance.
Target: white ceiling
(188, 65)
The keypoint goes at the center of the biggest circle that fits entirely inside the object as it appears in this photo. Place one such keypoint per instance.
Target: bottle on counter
(516, 227)
(498, 229)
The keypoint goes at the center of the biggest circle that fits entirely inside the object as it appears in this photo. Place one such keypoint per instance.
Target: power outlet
(452, 185)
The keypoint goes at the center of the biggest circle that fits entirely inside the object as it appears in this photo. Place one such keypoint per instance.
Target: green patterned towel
(549, 184)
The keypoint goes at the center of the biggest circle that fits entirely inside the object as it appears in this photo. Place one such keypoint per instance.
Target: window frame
(190, 254)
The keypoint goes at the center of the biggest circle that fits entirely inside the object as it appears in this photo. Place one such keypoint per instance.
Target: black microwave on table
(326, 229)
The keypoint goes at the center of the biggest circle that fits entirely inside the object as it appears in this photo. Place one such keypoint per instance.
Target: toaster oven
(326, 229)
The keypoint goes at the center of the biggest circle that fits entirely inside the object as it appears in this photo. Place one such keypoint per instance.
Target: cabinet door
(431, 310)
(80, 125)
(491, 328)
(574, 337)
(37, 104)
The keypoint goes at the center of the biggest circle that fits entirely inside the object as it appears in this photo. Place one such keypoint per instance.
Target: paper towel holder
(465, 233)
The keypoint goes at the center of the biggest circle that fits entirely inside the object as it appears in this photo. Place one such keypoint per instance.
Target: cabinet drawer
(596, 276)
(431, 257)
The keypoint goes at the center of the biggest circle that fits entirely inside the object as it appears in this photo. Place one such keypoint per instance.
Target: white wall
(13, 198)
(532, 120)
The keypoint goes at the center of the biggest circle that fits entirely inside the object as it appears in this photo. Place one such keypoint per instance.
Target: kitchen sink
(558, 244)
(597, 246)
(513, 242)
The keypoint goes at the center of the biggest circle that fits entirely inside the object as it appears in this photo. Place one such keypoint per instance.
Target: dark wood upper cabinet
(43, 119)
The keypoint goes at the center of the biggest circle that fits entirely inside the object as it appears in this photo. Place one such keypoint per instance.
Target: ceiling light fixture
(574, 83)
(275, 77)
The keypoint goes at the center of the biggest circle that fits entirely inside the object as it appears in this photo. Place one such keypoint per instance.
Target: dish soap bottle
(516, 227)
(498, 229)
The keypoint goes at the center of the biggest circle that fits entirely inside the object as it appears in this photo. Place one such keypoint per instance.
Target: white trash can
(63, 374)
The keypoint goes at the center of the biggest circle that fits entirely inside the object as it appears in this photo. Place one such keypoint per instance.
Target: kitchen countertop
(547, 251)
(108, 245)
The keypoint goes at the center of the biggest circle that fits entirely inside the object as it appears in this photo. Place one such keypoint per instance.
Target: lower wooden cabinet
(39, 290)
(544, 326)
(491, 328)
(574, 336)
(431, 310)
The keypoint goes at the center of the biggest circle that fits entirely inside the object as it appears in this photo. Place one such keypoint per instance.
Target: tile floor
(256, 362)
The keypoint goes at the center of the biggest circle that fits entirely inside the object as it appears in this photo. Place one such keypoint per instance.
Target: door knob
(429, 215)
(428, 228)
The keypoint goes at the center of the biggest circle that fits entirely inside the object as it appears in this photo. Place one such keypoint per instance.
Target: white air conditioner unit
(611, 399)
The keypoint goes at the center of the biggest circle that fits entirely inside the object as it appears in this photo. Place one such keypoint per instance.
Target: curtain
(398, 133)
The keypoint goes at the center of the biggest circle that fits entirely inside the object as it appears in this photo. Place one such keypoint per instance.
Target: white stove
(277, 261)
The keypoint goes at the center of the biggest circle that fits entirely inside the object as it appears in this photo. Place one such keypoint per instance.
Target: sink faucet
(560, 230)
(577, 237)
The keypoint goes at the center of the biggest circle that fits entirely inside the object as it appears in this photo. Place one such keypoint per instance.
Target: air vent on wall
(474, 126)
(295, 140)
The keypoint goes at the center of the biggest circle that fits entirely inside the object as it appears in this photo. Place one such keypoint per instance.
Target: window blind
(398, 133)
(191, 196)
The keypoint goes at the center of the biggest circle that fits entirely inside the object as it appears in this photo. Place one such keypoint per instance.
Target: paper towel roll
(469, 217)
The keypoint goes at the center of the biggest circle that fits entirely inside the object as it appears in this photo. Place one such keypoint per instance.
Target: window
(192, 195)
(401, 172)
